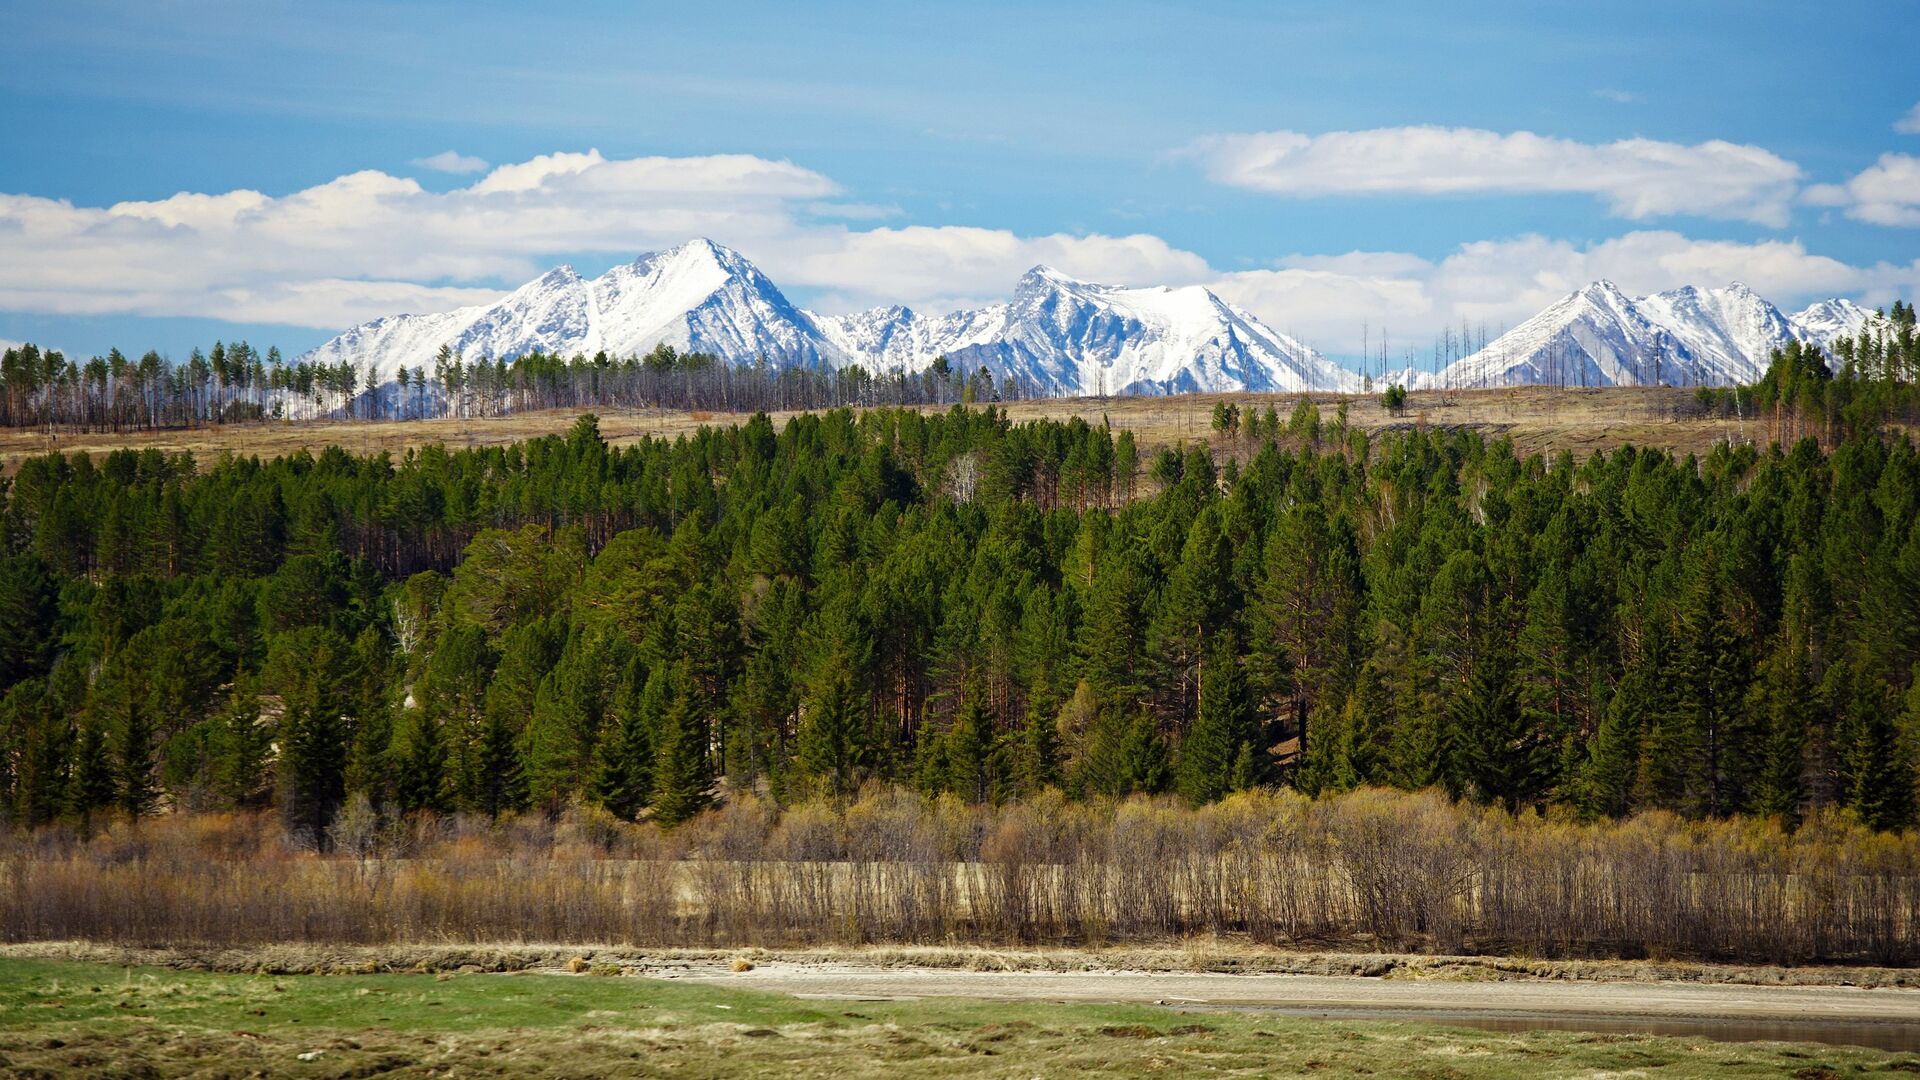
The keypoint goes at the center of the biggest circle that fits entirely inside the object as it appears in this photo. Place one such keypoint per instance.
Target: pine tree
(420, 766)
(832, 745)
(1877, 769)
(241, 746)
(307, 668)
(122, 714)
(623, 774)
(1509, 759)
(1038, 765)
(1223, 731)
(1781, 699)
(682, 775)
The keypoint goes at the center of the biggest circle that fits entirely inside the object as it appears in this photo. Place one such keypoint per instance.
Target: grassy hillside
(1538, 419)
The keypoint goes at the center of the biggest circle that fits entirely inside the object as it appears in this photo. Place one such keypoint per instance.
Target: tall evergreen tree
(1509, 759)
(307, 669)
(832, 747)
(1224, 732)
(682, 774)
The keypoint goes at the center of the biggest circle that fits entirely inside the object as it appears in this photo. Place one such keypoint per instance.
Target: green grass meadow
(61, 1018)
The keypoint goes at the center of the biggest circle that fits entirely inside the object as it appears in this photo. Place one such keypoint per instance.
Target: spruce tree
(241, 746)
(1223, 731)
(1039, 761)
(1509, 759)
(682, 774)
(1780, 699)
(832, 745)
(123, 715)
(308, 668)
(973, 762)
(420, 763)
(1877, 770)
(623, 773)
(92, 786)
(1144, 768)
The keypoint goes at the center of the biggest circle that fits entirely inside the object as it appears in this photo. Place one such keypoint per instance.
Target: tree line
(235, 383)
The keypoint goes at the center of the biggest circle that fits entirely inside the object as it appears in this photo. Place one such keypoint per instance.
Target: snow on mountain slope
(1830, 320)
(695, 297)
(1730, 333)
(1062, 335)
(1595, 337)
(902, 339)
(1689, 336)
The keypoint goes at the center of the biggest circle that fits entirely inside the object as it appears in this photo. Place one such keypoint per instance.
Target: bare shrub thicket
(1374, 868)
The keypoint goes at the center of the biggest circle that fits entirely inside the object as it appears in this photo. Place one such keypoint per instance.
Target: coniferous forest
(992, 615)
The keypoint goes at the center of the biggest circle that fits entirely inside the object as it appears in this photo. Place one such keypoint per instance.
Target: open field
(60, 1018)
(1537, 418)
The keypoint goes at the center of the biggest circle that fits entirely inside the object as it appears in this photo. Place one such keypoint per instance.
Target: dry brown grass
(1210, 955)
(1539, 419)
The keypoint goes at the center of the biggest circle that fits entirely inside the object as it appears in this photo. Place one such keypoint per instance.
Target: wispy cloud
(1636, 178)
(1617, 96)
(1910, 123)
(451, 161)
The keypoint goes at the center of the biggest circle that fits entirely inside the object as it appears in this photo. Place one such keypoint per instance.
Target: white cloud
(1910, 123)
(450, 161)
(1617, 96)
(1885, 193)
(1636, 178)
(942, 267)
(1496, 284)
(370, 244)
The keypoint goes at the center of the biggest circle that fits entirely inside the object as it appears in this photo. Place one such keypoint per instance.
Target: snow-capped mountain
(696, 297)
(1057, 334)
(1729, 334)
(1061, 335)
(1066, 335)
(1597, 336)
(1690, 336)
(1830, 320)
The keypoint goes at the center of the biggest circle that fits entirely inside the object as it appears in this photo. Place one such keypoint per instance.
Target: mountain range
(1060, 335)
(1600, 336)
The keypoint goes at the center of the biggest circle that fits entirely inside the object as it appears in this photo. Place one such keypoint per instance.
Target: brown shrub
(1374, 868)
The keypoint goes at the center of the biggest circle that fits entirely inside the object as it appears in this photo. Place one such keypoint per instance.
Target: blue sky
(1391, 164)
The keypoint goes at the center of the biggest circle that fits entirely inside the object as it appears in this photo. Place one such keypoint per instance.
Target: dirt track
(1867, 1006)
(1886, 1018)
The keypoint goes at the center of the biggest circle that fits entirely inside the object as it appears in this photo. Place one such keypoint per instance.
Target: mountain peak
(696, 252)
(1043, 276)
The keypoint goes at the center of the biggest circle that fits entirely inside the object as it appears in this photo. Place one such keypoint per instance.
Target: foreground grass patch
(61, 1018)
